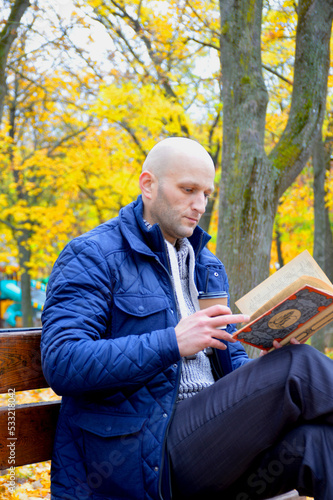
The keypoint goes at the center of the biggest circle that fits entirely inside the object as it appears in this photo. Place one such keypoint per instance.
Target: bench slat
(35, 426)
(20, 361)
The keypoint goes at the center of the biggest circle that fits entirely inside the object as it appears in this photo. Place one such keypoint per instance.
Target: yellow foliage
(146, 111)
(295, 220)
(58, 182)
(329, 193)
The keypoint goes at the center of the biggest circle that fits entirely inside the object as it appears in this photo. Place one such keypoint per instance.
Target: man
(158, 400)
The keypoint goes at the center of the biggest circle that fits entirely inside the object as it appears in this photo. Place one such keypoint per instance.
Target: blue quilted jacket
(109, 348)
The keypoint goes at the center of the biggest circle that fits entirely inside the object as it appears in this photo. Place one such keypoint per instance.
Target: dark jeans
(262, 430)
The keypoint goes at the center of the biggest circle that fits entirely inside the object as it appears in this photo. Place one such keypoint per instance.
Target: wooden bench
(31, 427)
(27, 431)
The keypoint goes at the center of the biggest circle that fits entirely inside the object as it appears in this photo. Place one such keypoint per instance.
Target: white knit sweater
(196, 373)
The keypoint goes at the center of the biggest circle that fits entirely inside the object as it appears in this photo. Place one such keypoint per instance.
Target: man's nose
(199, 203)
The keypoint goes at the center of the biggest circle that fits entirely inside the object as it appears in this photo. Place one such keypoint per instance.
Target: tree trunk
(253, 182)
(7, 37)
(24, 259)
(245, 216)
(323, 240)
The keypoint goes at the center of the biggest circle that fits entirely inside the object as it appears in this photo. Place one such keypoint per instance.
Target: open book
(296, 301)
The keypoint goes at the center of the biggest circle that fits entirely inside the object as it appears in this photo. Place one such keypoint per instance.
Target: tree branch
(133, 135)
(309, 92)
(203, 44)
(9, 32)
(267, 68)
(8, 224)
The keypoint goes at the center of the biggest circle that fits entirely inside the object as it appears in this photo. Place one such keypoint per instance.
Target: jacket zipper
(164, 442)
(176, 391)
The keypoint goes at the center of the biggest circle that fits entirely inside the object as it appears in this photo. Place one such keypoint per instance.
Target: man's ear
(146, 182)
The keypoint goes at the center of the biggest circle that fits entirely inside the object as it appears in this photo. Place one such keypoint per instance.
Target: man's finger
(226, 319)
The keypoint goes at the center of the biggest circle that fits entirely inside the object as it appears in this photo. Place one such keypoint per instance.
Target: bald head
(169, 152)
(176, 180)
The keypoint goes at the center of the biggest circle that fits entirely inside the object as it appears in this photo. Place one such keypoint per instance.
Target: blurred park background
(88, 87)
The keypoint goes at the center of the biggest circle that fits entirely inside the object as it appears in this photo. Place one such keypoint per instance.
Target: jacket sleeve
(238, 355)
(75, 356)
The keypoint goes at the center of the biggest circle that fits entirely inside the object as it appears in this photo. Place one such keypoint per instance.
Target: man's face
(180, 196)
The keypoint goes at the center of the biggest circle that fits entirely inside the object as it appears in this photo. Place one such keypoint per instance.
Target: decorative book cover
(300, 316)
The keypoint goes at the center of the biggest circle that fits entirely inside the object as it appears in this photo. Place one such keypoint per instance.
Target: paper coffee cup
(208, 299)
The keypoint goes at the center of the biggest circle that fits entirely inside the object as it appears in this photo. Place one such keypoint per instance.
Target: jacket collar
(151, 242)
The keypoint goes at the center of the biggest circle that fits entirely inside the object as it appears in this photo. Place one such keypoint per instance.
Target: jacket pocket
(112, 449)
(210, 278)
(136, 314)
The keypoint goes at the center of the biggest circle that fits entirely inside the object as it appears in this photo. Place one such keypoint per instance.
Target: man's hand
(277, 345)
(201, 329)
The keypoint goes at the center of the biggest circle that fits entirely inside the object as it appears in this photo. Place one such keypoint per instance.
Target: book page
(303, 264)
(289, 290)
